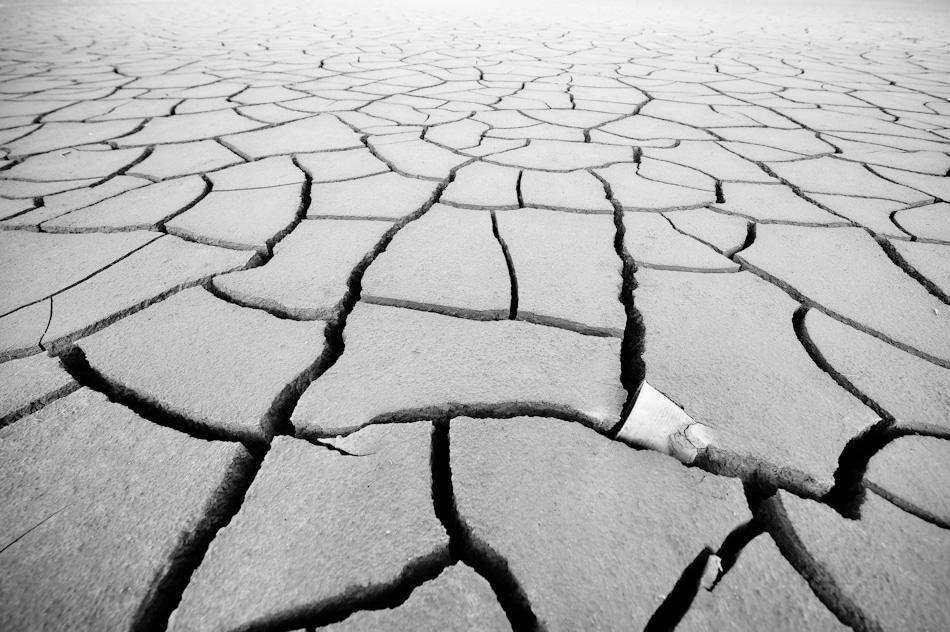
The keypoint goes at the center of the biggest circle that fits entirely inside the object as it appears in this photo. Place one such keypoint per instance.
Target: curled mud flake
(657, 423)
(711, 572)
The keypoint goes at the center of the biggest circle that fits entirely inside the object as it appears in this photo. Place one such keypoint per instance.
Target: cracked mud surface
(511, 317)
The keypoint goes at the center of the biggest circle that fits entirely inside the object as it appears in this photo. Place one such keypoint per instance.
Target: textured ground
(600, 316)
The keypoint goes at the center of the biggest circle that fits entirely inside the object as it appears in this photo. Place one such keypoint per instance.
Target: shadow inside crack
(464, 546)
(680, 598)
(356, 599)
(166, 593)
(75, 363)
(476, 410)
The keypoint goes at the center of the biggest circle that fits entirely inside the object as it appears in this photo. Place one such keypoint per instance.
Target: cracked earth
(599, 316)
